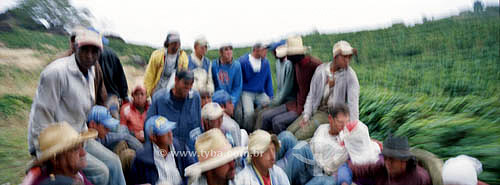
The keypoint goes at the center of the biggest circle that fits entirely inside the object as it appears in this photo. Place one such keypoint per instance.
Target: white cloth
(247, 176)
(361, 149)
(63, 94)
(197, 61)
(461, 170)
(167, 170)
(327, 150)
(231, 126)
(256, 63)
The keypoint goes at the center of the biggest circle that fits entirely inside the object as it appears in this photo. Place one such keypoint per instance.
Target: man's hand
(304, 122)
(140, 136)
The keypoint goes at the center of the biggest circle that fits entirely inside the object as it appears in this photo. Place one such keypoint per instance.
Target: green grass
(11, 104)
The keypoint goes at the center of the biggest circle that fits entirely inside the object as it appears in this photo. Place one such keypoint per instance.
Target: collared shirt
(167, 170)
(196, 60)
(63, 94)
(327, 150)
(203, 181)
(256, 63)
(133, 118)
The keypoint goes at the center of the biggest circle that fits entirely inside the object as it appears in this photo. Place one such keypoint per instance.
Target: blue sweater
(186, 113)
(228, 77)
(143, 169)
(256, 82)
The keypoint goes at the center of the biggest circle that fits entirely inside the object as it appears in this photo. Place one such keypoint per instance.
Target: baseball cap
(221, 97)
(160, 125)
(101, 115)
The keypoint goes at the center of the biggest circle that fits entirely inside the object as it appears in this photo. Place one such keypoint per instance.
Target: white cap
(211, 111)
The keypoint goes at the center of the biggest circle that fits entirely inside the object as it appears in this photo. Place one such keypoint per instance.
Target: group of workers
(214, 122)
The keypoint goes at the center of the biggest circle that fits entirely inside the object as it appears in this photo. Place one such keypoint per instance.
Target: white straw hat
(213, 150)
(211, 111)
(293, 46)
(259, 141)
(342, 47)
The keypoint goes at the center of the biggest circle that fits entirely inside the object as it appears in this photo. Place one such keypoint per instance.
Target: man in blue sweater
(257, 84)
(179, 104)
(226, 73)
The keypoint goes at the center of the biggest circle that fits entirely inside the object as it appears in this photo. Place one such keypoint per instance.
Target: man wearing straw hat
(304, 66)
(164, 158)
(262, 148)
(66, 92)
(333, 82)
(62, 158)
(216, 160)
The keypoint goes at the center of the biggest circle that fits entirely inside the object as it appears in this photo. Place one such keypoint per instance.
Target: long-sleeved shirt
(186, 112)
(228, 77)
(304, 70)
(63, 94)
(256, 82)
(114, 76)
(327, 150)
(133, 118)
(155, 68)
(377, 174)
(285, 79)
(249, 176)
(346, 90)
(202, 69)
(111, 139)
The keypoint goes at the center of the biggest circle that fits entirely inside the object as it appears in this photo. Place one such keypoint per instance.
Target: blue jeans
(103, 166)
(297, 159)
(249, 100)
(277, 119)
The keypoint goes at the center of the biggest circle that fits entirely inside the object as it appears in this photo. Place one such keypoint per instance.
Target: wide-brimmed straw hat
(213, 150)
(211, 111)
(60, 137)
(293, 46)
(259, 141)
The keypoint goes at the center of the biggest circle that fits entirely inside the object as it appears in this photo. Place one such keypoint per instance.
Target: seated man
(201, 66)
(158, 163)
(257, 84)
(333, 82)
(222, 98)
(462, 170)
(101, 120)
(396, 166)
(62, 157)
(226, 73)
(261, 169)
(216, 164)
(133, 115)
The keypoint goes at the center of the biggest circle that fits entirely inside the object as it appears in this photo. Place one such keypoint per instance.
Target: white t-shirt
(328, 150)
(255, 63)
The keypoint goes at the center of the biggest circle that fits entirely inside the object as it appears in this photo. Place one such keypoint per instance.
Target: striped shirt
(167, 170)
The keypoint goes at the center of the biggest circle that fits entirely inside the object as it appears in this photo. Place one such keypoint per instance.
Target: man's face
(213, 123)
(140, 98)
(205, 99)
(338, 123)
(268, 158)
(226, 171)
(173, 47)
(342, 61)
(164, 140)
(87, 56)
(182, 87)
(263, 53)
(102, 131)
(227, 53)
(394, 167)
(72, 160)
(229, 108)
(200, 50)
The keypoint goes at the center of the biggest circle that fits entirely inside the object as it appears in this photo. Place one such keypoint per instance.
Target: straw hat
(293, 46)
(51, 142)
(213, 150)
(88, 37)
(259, 141)
(342, 47)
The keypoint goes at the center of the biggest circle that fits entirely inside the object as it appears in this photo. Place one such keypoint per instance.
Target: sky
(244, 23)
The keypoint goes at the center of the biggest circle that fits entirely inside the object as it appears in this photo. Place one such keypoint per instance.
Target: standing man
(216, 157)
(66, 92)
(179, 104)
(201, 67)
(333, 82)
(227, 73)
(163, 63)
(257, 84)
(133, 115)
(162, 160)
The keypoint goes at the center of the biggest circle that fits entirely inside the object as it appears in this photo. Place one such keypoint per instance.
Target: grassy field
(435, 82)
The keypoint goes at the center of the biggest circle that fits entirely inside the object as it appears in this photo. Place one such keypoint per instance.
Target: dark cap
(397, 147)
(260, 46)
(184, 74)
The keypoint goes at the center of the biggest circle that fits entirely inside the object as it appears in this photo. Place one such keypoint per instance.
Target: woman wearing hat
(62, 157)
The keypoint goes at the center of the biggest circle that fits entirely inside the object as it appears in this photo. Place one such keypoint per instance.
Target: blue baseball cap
(275, 45)
(100, 115)
(221, 97)
(160, 125)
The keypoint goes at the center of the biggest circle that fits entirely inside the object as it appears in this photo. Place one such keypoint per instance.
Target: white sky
(246, 22)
